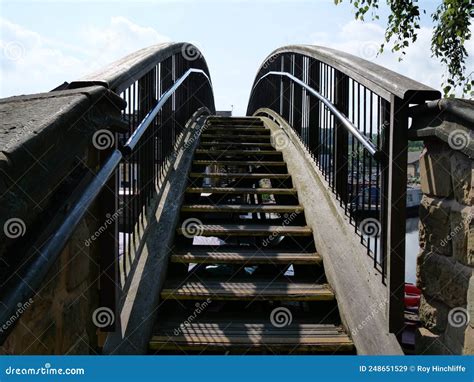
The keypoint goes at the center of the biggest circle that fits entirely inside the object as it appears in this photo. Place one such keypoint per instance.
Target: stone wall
(57, 318)
(47, 156)
(446, 260)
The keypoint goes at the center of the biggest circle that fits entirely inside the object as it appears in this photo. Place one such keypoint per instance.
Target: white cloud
(118, 39)
(364, 39)
(32, 63)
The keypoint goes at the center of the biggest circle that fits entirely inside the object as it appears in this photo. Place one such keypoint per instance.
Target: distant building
(413, 164)
(224, 113)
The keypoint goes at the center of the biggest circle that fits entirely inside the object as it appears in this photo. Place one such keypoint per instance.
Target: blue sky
(45, 43)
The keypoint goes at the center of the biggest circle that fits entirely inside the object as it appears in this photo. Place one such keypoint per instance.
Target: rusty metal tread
(257, 129)
(235, 122)
(238, 163)
(245, 257)
(252, 335)
(242, 190)
(264, 208)
(239, 137)
(246, 144)
(246, 230)
(267, 290)
(238, 152)
(238, 175)
(252, 332)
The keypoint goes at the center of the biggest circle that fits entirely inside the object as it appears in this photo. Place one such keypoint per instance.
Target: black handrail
(340, 116)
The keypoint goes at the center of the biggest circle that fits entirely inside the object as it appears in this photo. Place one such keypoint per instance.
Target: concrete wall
(446, 259)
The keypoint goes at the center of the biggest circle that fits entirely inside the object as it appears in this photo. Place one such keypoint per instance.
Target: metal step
(235, 121)
(245, 230)
(237, 190)
(239, 137)
(241, 208)
(243, 290)
(260, 130)
(238, 175)
(245, 257)
(237, 144)
(245, 335)
(245, 153)
(239, 163)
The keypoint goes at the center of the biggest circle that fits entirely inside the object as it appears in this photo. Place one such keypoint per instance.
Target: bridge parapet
(45, 158)
(352, 115)
(446, 259)
(129, 152)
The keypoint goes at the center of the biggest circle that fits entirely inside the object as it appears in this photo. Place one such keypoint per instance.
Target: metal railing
(180, 92)
(164, 87)
(351, 115)
(368, 145)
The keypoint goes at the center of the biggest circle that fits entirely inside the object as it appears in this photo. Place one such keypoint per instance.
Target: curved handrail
(382, 81)
(137, 134)
(51, 250)
(340, 116)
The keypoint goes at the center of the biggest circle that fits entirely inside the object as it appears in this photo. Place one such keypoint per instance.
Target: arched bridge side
(351, 116)
(126, 153)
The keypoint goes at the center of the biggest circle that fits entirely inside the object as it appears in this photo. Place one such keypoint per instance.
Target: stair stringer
(361, 296)
(138, 312)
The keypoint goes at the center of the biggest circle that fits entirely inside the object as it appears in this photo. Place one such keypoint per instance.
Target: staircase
(244, 274)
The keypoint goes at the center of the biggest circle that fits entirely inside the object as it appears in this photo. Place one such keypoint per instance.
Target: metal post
(341, 144)
(108, 245)
(396, 213)
(286, 94)
(314, 106)
(297, 94)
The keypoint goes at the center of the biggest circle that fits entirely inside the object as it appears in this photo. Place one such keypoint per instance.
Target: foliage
(452, 20)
